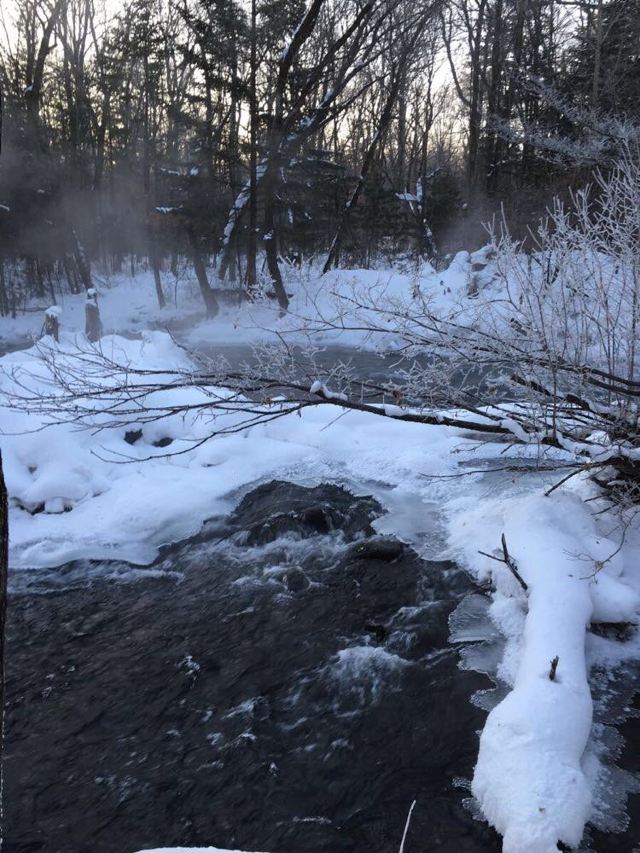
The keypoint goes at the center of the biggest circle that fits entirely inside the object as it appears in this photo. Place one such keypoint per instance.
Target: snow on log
(529, 779)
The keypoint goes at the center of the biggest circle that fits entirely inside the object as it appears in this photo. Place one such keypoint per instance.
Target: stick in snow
(554, 666)
(406, 827)
(509, 562)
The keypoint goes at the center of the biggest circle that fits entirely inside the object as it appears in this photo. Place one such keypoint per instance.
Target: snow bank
(530, 779)
(89, 494)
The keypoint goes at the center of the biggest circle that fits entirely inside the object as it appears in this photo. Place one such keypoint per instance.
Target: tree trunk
(33, 91)
(93, 323)
(155, 266)
(4, 299)
(475, 112)
(597, 58)
(67, 263)
(208, 296)
(84, 268)
(270, 242)
(385, 120)
(253, 161)
(493, 139)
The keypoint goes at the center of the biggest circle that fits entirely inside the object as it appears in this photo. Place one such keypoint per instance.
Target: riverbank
(129, 305)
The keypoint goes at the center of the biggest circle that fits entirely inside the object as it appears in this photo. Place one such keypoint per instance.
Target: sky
(9, 10)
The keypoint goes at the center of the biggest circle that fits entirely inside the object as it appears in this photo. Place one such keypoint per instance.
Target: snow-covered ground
(125, 505)
(88, 493)
(130, 305)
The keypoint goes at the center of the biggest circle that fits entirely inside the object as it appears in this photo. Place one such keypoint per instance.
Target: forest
(157, 133)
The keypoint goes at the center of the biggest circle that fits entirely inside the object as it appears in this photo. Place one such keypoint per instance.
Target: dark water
(221, 706)
(14, 344)
(348, 369)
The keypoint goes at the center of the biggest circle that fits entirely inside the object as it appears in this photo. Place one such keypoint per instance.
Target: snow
(321, 390)
(319, 303)
(125, 501)
(126, 304)
(88, 494)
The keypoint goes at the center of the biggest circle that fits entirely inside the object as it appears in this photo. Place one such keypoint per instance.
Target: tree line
(245, 135)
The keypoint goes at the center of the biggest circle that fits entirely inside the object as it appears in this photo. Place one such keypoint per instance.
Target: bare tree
(398, 77)
(545, 354)
(305, 115)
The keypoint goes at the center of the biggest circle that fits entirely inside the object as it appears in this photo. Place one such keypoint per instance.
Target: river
(283, 682)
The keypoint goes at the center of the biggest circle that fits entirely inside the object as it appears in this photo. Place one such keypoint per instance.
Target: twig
(508, 561)
(406, 827)
(585, 467)
(511, 563)
(554, 667)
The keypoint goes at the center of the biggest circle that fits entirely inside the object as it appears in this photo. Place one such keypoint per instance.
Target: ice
(482, 646)
(612, 787)
(410, 517)
(482, 657)
(470, 622)
(613, 691)
(488, 699)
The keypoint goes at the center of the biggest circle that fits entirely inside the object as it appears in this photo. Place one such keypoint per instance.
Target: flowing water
(282, 682)
(289, 688)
